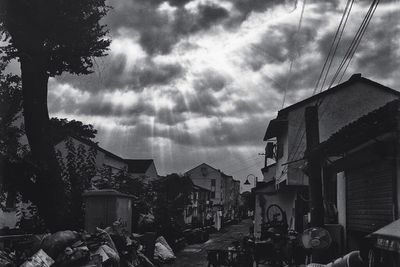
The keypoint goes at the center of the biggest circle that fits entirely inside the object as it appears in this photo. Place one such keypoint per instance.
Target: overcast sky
(192, 81)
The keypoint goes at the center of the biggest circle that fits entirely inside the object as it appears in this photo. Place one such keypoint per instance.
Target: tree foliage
(62, 128)
(10, 112)
(78, 167)
(66, 33)
(173, 193)
(50, 37)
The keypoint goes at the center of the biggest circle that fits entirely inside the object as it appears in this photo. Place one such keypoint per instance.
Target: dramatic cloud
(191, 81)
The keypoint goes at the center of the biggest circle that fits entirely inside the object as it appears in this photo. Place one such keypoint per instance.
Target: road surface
(195, 255)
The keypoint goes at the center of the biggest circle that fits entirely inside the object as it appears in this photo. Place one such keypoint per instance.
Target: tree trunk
(51, 200)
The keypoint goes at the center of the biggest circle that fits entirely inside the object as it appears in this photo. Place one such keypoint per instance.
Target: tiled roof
(277, 124)
(138, 165)
(378, 122)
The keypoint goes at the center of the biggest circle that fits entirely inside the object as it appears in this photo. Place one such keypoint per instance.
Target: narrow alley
(196, 255)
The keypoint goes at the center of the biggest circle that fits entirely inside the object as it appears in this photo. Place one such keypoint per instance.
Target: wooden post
(314, 167)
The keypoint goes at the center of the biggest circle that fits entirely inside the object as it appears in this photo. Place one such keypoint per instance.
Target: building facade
(142, 168)
(361, 174)
(286, 142)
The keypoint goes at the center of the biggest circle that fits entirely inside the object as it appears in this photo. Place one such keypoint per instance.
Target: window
(213, 182)
(212, 194)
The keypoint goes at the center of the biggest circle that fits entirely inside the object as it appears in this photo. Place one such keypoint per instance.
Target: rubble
(110, 247)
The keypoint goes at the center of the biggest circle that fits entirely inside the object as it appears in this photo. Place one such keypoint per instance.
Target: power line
(339, 29)
(348, 56)
(356, 40)
(348, 8)
(359, 40)
(248, 167)
(293, 57)
(330, 56)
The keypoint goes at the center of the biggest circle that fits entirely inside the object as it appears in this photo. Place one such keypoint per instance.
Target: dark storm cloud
(379, 51)
(221, 133)
(246, 7)
(116, 75)
(248, 107)
(204, 102)
(279, 44)
(159, 31)
(210, 80)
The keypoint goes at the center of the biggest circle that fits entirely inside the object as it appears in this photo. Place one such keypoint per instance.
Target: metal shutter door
(370, 196)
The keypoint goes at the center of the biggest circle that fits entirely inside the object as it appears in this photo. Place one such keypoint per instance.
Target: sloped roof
(200, 188)
(92, 144)
(138, 165)
(365, 128)
(353, 79)
(275, 125)
(200, 165)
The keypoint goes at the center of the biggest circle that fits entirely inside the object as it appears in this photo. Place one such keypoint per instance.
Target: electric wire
(356, 40)
(348, 56)
(348, 9)
(333, 43)
(329, 58)
(293, 57)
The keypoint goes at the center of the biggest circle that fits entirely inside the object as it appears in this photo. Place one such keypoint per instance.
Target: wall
(152, 172)
(285, 200)
(205, 181)
(269, 173)
(102, 159)
(337, 110)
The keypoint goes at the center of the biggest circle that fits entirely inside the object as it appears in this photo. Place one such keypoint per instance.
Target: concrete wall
(150, 174)
(337, 110)
(269, 173)
(204, 181)
(152, 171)
(102, 159)
(285, 200)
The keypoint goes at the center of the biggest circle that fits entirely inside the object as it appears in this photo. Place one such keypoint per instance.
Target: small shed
(103, 207)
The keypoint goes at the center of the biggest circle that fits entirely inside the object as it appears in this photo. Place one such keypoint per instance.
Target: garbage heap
(110, 247)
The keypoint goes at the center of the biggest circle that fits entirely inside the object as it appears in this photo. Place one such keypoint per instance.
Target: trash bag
(108, 254)
(39, 259)
(164, 242)
(73, 255)
(162, 251)
(56, 243)
(6, 259)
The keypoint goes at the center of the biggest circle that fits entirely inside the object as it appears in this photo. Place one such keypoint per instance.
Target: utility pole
(314, 167)
(314, 174)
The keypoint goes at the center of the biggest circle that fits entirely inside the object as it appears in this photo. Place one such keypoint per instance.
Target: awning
(388, 237)
(391, 230)
(275, 128)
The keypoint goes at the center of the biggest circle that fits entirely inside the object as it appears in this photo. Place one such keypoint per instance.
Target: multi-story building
(199, 206)
(285, 182)
(209, 178)
(142, 168)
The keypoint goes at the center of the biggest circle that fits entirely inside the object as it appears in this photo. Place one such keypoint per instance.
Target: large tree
(50, 37)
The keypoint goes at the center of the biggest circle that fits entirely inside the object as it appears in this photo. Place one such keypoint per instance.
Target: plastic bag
(162, 251)
(56, 243)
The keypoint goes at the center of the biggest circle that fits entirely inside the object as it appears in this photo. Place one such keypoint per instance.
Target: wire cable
(293, 58)
(346, 11)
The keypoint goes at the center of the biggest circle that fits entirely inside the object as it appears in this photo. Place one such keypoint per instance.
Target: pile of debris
(110, 247)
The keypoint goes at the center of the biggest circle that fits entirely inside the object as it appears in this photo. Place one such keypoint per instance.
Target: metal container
(103, 207)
